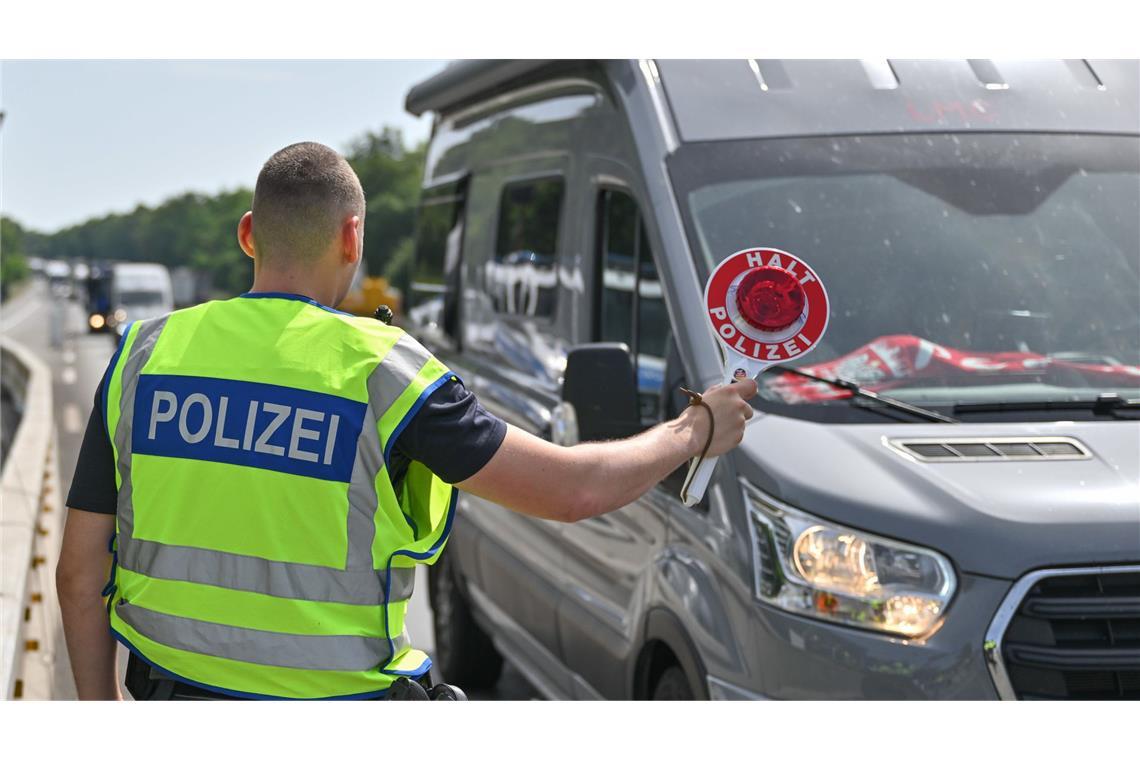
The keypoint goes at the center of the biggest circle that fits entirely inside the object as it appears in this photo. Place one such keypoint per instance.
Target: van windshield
(961, 268)
(141, 298)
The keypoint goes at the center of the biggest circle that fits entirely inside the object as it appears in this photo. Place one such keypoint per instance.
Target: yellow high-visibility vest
(261, 547)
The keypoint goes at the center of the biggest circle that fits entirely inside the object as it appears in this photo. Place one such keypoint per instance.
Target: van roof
(740, 99)
(138, 268)
(723, 100)
(463, 81)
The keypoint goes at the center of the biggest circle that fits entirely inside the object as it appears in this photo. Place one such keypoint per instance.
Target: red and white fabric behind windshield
(893, 361)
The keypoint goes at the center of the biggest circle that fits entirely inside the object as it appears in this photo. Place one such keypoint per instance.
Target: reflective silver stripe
(145, 339)
(362, 497)
(396, 372)
(388, 380)
(286, 580)
(359, 583)
(287, 650)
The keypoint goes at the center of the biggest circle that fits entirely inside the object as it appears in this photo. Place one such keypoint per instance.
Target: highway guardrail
(30, 528)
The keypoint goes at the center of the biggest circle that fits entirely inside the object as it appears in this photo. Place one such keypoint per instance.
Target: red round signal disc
(767, 305)
(770, 298)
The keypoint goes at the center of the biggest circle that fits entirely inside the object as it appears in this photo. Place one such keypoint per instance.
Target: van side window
(652, 333)
(523, 278)
(631, 305)
(619, 251)
(435, 277)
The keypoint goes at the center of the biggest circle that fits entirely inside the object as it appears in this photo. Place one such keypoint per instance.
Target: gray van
(977, 225)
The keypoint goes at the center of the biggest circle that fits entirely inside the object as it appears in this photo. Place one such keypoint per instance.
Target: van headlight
(814, 567)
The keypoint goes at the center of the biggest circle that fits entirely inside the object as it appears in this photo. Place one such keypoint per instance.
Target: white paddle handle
(701, 470)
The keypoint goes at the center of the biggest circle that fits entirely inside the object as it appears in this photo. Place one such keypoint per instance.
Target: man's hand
(79, 578)
(731, 411)
(538, 478)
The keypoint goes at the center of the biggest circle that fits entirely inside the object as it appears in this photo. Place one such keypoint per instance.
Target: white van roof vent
(881, 73)
(1084, 73)
(987, 73)
(991, 449)
(770, 73)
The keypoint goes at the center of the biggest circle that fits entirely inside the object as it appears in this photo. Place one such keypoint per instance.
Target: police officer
(264, 473)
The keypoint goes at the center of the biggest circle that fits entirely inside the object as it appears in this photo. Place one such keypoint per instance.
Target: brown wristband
(695, 399)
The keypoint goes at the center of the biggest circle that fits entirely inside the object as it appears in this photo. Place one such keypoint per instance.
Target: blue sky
(84, 138)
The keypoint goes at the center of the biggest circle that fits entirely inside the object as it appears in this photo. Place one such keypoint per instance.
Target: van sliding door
(609, 558)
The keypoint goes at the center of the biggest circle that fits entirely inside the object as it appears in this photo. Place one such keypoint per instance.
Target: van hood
(998, 518)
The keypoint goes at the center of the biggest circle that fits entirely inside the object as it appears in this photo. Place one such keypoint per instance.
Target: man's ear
(245, 234)
(352, 239)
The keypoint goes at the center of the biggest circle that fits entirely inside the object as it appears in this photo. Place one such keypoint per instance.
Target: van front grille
(1069, 634)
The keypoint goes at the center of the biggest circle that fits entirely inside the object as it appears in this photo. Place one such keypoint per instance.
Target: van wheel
(464, 652)
(672, 685)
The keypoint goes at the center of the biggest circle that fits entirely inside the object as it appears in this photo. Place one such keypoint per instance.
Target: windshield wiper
(916, 411)
(1106, 404)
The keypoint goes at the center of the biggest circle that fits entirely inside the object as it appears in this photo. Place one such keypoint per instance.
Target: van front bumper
(788, 656)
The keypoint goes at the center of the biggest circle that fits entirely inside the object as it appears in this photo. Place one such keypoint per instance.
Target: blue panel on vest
(251, 424)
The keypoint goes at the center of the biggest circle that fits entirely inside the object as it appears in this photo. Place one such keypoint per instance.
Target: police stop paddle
(766, 306)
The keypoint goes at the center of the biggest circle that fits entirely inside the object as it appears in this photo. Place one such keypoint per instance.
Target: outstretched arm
(538, 478)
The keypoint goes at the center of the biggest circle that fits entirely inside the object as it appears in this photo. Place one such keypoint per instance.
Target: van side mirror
(600, 385)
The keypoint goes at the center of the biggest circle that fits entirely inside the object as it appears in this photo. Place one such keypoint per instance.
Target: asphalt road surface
(55, 328)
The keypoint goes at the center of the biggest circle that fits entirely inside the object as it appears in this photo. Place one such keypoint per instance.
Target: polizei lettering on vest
(284, 429)
(166, 406)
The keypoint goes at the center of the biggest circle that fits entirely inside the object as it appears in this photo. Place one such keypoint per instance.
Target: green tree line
(199, 230)
(13, 257)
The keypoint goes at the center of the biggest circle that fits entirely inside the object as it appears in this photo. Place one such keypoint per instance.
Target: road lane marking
(72, 422)
(25, 310)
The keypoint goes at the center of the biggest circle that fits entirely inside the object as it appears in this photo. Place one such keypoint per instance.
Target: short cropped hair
(303, 194)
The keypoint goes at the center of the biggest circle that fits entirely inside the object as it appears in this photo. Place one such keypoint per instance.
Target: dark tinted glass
(439, 220)
(619, 251)
(436, 221)
(652, 316)
(432, 302)
(523, 278)
(652, 332)
(140, 298)
(640, 322)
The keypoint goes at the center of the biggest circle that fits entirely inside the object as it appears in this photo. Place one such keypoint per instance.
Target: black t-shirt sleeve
(451, 434)
(93, 486)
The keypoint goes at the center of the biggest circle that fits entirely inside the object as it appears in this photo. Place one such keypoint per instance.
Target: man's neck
(299, 283)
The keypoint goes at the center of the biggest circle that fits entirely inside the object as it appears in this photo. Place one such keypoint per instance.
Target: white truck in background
(139, 291)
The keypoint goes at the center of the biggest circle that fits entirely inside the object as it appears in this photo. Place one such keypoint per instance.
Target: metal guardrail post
(30, 526)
